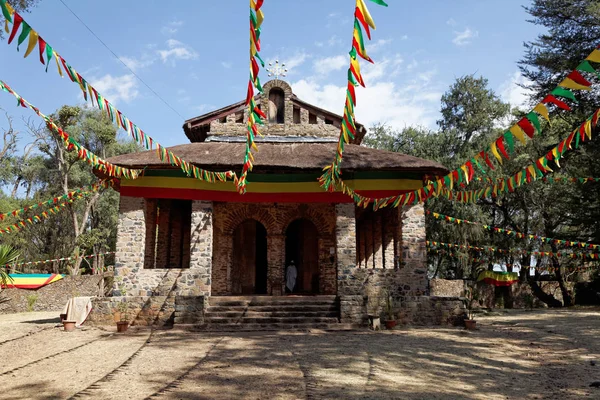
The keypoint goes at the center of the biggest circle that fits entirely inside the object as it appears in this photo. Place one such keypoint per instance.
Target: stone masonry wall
(519, 295)
(233, 126)
(355, 283)
(275, 218)
(132, 279)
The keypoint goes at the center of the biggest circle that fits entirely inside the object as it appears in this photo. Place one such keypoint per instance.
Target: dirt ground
(545, 354)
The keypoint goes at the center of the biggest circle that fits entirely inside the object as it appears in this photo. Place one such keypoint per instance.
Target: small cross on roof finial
(277, 70)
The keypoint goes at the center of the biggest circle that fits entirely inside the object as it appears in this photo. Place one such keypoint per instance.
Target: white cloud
(451, 22)
(377, 45)
(326, 65)
(413, 100)
(176, 50)
(511, 92)
(334, 40)
(226, 64)
(404, 37)
(135, 64)
(296, 60)
(203, 108)
(117, 88)
(171, 28)
(464, 37)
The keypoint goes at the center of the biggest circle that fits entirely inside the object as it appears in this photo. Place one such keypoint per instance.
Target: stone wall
(52, 297)
(519, 295)
(408, 310)
(234, 124)
(405, 241)
(131, 276)
(141, 310)
(275, 218)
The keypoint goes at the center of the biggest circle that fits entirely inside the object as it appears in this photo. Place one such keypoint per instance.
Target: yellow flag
(33, 39)
(57, 64)
(259, 18)
(571, 84)
(588, 129)
(365, 12)
(531, 170)
(495, 152)
(518, 133)
(542, 110)
(555, 154)
(466, 172)
(595, 56)
(6, 26)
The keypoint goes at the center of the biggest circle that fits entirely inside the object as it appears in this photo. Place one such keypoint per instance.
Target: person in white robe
(290, 276)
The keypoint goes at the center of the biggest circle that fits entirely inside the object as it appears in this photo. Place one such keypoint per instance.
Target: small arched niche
(276, 106)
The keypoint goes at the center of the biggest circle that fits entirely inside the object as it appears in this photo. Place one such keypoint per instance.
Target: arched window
(276, 106)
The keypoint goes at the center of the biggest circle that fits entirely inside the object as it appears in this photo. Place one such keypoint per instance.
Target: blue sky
(195, 55)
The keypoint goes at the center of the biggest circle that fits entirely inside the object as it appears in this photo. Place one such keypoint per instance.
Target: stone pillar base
(353, 310)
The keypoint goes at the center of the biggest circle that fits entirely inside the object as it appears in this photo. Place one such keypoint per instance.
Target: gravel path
(545, 354)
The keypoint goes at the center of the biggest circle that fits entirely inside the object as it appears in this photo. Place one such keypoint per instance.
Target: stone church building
(184, 244)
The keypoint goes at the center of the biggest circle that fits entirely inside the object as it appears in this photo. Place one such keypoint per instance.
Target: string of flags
(72, 145)
(255, 115)
(477, 260)
(513, 233)
(17, 226)
(57, 259)
(83, 191)
(47, 53)
(499, 150)
(491, 249)
(563, 179)
(534, 171)
(362, 19)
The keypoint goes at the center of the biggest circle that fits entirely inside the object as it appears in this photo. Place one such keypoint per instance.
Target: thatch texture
(284, 156)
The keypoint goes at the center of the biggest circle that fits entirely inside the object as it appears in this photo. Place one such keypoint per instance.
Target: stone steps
(229, 301)
(332, 313)
(283, 308)
(249, 327)
(270, 313)
(270, 320)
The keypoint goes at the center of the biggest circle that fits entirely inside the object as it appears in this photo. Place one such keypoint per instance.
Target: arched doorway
(276, 106)
(249, 269)
(302, 246)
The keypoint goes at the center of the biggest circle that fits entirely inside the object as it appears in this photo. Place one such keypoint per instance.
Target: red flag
(560, 104)
(42, 46)
(16, 24)
(578, 78)
(500, 146)
(527, 126)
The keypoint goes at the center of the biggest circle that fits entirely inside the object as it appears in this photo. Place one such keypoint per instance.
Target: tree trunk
(550, 300)
(567, 297)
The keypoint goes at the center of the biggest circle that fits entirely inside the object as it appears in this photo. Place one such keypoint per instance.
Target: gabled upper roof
(197, 129)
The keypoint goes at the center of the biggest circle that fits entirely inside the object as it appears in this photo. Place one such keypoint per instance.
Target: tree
(47, 171)
(573, 31)
(470, 109)
(19, 6)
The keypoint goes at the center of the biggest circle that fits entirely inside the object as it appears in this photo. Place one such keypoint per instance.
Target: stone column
(150, 241)
(131, 238)
(276, 261)
(352, 305)
(414, 253)
(201, 248)
(389, 228)
(377, 240)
